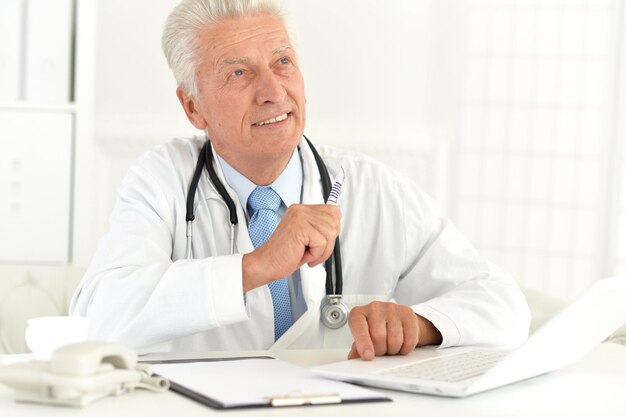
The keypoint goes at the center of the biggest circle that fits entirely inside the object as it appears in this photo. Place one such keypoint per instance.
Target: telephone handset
(79, 374)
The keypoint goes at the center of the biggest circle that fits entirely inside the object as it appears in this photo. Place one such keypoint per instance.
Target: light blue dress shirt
(288, 185)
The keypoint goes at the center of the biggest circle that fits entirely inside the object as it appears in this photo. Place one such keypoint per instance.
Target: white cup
(45, 334)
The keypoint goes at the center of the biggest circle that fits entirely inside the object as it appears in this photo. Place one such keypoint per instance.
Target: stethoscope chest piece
(334, 312)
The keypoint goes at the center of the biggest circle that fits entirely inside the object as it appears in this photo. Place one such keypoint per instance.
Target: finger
(321, 216)
(315, 228)
(328, 223)
(329, 213)
(330, 246)
(376, 313)
(353, 354)
(330, 231)
(395, 336)
(410, 330)
(327, 253)
(316, 244)
(378, 333)
(296, 241)
(360, 333)
(319, 248)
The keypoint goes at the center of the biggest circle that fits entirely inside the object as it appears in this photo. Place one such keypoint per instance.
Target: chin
(279, 145)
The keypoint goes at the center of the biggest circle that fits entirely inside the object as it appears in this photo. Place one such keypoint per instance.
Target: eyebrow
(233, 61)
(242, 59)
(281, 49)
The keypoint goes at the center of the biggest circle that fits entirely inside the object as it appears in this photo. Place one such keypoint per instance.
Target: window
(539, 158)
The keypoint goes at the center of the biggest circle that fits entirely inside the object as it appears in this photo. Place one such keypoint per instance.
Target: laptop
(463, 371)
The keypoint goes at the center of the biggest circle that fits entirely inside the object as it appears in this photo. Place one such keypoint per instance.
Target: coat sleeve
(133, 292)
(470, 300)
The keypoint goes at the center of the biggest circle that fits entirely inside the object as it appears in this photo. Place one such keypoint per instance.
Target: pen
(335, 191)
(317, 399)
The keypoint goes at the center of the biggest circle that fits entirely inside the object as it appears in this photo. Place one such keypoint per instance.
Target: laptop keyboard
(450, 368)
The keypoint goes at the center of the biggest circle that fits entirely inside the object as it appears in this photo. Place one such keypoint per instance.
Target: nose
(269, 88)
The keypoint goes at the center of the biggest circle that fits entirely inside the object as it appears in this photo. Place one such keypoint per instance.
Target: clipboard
(259, 381)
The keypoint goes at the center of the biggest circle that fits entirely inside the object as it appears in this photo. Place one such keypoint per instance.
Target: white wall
(538, 162)
(366, 69)
(134, 108)
(134, 94)
(371, 72)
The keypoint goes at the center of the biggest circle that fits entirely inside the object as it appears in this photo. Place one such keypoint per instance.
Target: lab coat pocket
(342, 337)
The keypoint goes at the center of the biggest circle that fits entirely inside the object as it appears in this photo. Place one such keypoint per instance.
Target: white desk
(594, 386)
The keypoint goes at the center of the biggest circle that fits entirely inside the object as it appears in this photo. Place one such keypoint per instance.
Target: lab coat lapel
(258, 300)
(307, 331)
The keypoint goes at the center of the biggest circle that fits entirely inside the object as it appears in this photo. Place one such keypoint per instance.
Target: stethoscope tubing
(334, 312)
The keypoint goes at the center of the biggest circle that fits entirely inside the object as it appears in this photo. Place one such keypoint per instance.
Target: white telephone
(80, 373)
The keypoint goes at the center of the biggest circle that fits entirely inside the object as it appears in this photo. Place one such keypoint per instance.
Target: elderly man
(253, 275)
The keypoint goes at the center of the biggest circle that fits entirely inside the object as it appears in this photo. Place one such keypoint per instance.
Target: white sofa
(36, 291)
(32, 291)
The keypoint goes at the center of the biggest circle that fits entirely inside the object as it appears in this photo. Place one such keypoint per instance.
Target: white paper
(255, 381)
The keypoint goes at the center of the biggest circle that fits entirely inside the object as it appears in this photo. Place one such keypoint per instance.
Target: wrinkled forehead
(237, 35)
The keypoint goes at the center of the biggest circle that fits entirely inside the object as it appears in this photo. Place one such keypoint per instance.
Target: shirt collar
(288, 185)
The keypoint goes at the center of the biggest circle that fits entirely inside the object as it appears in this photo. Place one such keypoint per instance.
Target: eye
(237, 72)
(285, 60)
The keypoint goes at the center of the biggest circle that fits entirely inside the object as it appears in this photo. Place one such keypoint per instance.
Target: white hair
(180, 34)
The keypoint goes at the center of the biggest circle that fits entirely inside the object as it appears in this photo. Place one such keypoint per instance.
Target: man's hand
(305, 235)
(383, 328)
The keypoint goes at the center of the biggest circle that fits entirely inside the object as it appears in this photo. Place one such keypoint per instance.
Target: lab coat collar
(288, 185)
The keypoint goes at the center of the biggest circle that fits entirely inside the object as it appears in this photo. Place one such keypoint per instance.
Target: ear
(191, 109)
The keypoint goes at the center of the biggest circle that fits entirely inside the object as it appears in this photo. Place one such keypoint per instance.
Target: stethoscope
(334, 313)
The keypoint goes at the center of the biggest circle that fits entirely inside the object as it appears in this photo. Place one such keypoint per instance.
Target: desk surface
(592, 386)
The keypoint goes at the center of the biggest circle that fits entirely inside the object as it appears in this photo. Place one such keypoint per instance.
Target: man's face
(251, 92)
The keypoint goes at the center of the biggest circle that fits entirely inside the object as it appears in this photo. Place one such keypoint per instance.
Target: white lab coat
(141, 291)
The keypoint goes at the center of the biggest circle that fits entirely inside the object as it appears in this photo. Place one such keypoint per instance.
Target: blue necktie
(263, 204)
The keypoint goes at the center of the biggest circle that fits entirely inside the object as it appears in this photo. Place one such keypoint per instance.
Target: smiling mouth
(276, 119)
